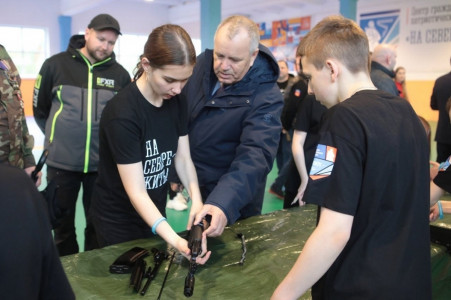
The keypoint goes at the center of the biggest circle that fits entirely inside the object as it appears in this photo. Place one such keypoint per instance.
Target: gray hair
(236, 24)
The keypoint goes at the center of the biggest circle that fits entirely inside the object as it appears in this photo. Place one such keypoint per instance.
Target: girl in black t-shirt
(142, 133)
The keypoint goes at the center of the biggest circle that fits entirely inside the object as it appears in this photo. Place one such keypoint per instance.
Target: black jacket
(30, 264)
(440, 95)
(383, 78)
(68, 100)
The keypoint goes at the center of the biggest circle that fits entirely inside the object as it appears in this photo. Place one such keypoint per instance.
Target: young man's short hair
(339, 38)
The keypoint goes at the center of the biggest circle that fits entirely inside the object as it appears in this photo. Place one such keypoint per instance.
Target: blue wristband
(440, 209)
(155, 225)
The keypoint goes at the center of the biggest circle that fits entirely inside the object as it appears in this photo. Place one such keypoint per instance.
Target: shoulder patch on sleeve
(323, 163)
(297, 93)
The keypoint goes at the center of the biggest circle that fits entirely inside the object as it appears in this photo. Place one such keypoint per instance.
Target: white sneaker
(178, 203)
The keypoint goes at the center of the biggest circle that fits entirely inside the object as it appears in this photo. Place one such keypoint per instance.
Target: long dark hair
(167, 45)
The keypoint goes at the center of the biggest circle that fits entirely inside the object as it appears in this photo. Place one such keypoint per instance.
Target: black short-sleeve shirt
(308, 119)
(372, 163)
(133, 130)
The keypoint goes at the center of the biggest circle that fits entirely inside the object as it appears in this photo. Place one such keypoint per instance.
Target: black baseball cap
(105, 21)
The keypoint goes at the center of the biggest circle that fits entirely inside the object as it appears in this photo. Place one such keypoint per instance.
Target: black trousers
(118, 227)
(69, 184)
(292, 183)
(111, 233)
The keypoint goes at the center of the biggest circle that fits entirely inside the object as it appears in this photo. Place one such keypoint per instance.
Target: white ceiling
(187, 12)
(229, 7)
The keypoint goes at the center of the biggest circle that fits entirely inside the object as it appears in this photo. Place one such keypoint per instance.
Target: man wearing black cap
(70, 93)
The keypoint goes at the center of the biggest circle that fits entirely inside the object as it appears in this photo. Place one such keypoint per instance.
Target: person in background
(440, 95)
(16, 143)
(29, 262)
(400, 81)
(293, 98)
(70, 93)
(143, 131)
(302, 115)
(283, 157)
(285, 80)
(234, 107)
(383, 60)
(441, 183)
(374, 199)
(305, 140)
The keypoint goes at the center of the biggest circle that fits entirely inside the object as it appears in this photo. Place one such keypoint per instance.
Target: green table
(273, 243)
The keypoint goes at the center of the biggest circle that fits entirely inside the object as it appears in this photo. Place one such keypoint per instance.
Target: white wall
(33, 13)
(427, 56)
(423, 61)
(134, 18)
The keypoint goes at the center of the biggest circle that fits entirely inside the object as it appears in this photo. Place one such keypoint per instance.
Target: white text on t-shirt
(156, 166)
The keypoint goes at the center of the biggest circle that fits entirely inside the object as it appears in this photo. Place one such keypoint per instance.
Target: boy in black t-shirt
(370, 176)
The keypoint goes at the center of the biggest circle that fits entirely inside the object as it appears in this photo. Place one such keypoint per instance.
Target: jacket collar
(378, 66)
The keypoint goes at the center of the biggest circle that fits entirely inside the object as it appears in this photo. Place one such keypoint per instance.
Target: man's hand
(29, 170)
(218, 220)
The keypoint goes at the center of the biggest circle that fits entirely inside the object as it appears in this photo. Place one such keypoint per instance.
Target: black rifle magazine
(124, 263)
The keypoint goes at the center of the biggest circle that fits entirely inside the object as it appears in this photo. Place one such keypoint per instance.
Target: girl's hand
(433, 213)
(300, 195)
(196, 207)
(182, 247)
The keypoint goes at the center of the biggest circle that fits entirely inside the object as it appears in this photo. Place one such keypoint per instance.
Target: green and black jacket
(69, 96)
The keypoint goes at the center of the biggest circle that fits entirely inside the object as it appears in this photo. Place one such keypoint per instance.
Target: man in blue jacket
(70, 93)
(234, 109)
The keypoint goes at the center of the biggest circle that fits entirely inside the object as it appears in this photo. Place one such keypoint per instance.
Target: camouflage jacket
(16, 144)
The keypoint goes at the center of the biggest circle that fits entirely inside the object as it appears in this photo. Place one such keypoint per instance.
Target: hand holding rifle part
(195, 245)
